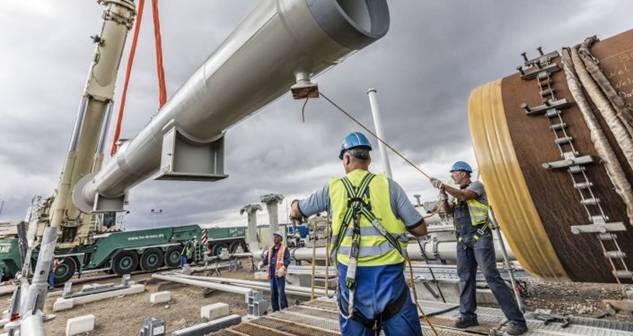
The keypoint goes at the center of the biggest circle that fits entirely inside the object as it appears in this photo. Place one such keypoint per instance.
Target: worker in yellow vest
(475, 247)
(371, 219)
(278, 259)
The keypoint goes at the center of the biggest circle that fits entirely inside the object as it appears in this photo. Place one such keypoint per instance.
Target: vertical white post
(375, 112)
(272, 201)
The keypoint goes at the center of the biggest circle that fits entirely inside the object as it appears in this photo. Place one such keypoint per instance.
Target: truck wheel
(172, 257)
(125, 262)
(65, 270)
(152, 259)
(237, 246)
(217, 248)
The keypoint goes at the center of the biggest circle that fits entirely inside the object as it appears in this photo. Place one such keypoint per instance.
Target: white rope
(602, 103)
(605, 151)
(623, 110)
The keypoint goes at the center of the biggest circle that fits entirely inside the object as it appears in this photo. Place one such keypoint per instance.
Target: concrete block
(160, 297)
(63, 304)
(80, 324)
(214, 311)
(261, 275)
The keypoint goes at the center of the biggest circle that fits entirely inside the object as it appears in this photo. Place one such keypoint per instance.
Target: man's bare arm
(461, 194)
(419, 229)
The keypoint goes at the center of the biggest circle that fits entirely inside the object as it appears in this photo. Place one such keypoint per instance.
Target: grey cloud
(435, 53)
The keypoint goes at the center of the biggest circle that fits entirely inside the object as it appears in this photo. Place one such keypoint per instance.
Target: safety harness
(358, 204)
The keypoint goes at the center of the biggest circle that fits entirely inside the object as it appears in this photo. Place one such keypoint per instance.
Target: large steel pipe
(279, 43)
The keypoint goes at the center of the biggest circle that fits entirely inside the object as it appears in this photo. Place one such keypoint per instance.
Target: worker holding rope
(475, 247)
(371, 217)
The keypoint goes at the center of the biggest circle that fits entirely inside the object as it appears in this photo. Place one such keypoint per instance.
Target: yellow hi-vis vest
(478, 211)
(375, 250)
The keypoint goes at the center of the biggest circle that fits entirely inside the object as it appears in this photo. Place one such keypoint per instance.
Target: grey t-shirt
(478, 188)
(462, 216)
(319, 201)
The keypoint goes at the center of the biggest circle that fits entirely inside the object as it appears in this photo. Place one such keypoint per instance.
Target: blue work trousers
(278, 293)
(51, 279)
(376, 288)
(482, 252)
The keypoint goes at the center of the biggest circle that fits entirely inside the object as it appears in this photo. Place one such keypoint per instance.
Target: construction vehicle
(9, 249)
(280, 46)
(112, 249)
(95, 241)
(297, 235)
(123, 252)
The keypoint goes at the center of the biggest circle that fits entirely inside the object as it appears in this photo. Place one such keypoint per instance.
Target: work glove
(442, 196)
(281, 272)
(436, 183)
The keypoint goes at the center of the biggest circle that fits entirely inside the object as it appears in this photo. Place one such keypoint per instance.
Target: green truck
(124, 252)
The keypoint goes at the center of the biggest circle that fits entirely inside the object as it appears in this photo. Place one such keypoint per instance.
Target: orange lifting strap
(162, 91)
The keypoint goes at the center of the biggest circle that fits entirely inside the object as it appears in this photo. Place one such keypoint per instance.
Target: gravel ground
(570, 298)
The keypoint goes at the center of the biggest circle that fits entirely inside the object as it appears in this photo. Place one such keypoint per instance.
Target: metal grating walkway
(319, 317)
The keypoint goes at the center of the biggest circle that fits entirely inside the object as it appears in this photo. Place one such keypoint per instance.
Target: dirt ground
(125, 315)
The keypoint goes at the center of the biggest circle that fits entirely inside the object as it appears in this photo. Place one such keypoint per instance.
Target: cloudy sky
(435, 53)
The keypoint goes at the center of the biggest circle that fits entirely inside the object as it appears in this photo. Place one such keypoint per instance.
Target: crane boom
(85, 151)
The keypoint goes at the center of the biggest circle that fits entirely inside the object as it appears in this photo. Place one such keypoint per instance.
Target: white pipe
(254, 66)
(445, 250)
(231, 284)
(375, 112)
(240, 282)
(206, 284)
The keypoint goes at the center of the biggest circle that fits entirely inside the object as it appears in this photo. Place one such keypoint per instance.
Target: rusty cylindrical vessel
(546, 181)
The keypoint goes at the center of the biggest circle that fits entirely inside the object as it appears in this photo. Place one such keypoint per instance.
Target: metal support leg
(506, 261)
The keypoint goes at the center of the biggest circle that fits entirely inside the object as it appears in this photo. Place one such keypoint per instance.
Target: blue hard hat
(461, 166)
(354, 140)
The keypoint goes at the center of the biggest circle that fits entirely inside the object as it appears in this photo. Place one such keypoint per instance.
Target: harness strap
(378, 227)
(375, 323)
(354, 194)
(367, 231)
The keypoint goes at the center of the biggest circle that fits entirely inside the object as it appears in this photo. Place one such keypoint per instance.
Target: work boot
(514, 328)
(463, 323)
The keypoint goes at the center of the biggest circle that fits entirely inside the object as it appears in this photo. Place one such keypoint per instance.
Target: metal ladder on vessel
(541, 68)
(315, 260)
